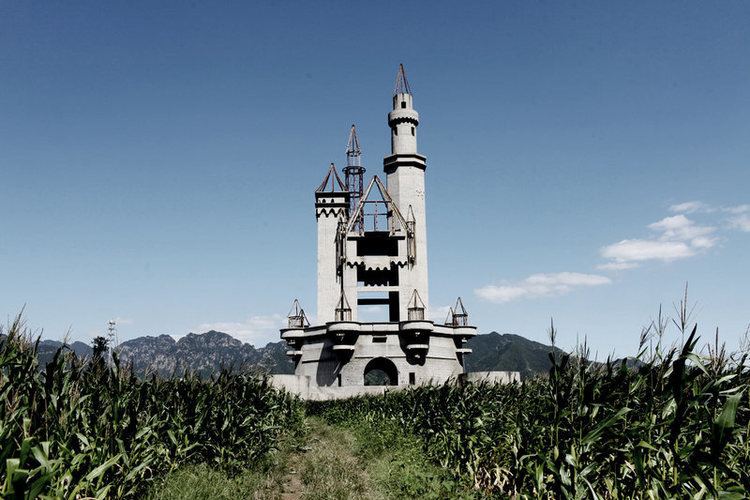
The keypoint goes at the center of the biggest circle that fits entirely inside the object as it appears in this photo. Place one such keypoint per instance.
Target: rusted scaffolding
(402, 84)
(354, 174)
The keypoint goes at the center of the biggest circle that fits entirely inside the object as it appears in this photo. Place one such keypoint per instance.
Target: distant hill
(508, 352)
(48, 348)
(206, 353)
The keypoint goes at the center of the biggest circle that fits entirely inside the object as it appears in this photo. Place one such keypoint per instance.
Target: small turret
(403, 120)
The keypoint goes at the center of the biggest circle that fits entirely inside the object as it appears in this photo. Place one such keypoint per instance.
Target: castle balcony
(464, 350)
(343, 351)
(343, 327)
(292, 333)
(417, 350)
(464, 331)
(417, 326)
(294, 353)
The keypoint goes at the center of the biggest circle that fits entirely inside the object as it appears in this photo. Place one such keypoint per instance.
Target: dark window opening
(381, 371)
(413, 131)
(379, 277)
(379, 339)
(395, 130)
(412, 378)
(377, 243)
(403, 104)
(338, 378)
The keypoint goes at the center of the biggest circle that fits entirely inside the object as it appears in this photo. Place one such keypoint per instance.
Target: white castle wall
(328, 213)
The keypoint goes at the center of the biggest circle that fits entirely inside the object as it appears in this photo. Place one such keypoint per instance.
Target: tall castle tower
(372, 255)
(405, 170)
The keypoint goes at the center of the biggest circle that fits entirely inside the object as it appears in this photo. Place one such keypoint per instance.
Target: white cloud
(690, 207)
(617, 266)
(703, 242)
(741, 222)
(680, 228)
(256, 330)
(627, 251)
(738, 209)
(679, 238)
(540, 285)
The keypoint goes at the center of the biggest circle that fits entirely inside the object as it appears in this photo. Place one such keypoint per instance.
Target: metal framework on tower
(354, 174)
(402, 84)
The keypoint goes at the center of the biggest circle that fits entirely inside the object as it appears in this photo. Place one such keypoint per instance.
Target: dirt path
(336, 462)
(327, 468)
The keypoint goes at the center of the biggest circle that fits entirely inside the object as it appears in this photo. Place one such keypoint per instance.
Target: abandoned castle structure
(372, 254)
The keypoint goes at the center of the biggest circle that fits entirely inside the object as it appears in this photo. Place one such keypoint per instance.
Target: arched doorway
(381, 371)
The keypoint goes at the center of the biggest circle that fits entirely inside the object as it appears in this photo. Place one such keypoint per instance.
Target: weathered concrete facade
(372, 252)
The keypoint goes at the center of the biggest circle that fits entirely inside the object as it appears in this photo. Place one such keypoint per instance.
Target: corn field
(675, 425)
(77, 429)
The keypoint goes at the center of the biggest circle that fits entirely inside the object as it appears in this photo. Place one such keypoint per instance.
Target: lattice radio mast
(112, 333)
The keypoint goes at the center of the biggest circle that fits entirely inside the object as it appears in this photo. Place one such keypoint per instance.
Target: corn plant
(78, 428)
(674, 424)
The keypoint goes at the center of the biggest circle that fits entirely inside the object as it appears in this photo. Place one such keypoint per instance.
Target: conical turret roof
(332, 183)
(402, 84)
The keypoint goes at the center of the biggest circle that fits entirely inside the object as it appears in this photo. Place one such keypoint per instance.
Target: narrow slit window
(412, 378)
(413, 131)
(395, 130)
(403, 104)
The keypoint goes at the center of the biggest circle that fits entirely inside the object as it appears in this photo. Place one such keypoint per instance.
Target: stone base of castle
(301, 385)
(335, 360)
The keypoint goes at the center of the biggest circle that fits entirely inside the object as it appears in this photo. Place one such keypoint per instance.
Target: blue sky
(586, 159)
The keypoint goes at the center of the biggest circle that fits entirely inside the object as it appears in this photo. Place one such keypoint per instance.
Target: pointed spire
(402, 84)
(449, 318)
(331, 183)
(415, 307)
(296, 317)
(353, 150)
(457, 315)
(343, 309)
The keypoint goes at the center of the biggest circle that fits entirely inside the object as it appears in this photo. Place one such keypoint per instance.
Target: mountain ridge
(207, 353)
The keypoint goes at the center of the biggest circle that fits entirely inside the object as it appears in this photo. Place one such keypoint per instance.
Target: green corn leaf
(99, 471)
(723, 425)
(11, 466)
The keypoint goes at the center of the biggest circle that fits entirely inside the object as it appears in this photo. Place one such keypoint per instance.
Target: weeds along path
(322, 466)
(366, 461)
(334, 462)
(328, 467)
